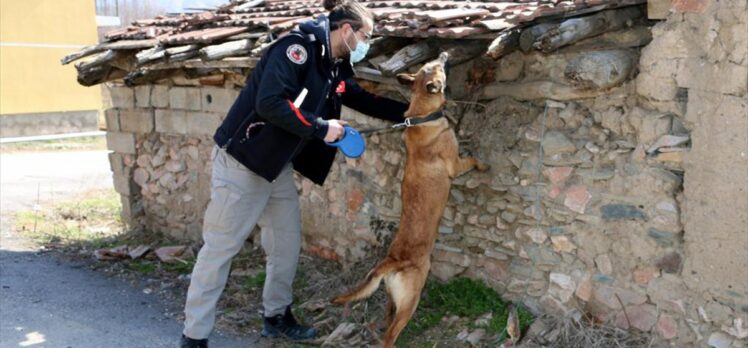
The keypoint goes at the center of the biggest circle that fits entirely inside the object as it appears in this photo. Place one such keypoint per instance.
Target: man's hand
(335, 130)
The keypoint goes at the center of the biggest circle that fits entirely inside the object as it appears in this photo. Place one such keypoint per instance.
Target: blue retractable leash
(351, 144)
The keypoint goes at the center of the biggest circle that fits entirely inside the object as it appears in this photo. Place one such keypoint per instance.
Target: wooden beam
(507, 42)
(408, 56)
(99, 74)
(227, 49)
(143, 76)
(386, 45)
(226, 63)
(101, 59)
(576, 29)
(628, 38)
(373, 75)
(529, 35)
(460, 52)
(150, 55)
(118, 45)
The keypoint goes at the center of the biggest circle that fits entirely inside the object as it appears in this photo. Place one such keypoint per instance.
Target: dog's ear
(406, 79)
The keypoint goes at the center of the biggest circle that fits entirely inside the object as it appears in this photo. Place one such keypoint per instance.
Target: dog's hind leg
(390, 308)
(368, 286)
(405, 288)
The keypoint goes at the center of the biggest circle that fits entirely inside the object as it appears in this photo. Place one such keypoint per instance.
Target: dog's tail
(373, 279)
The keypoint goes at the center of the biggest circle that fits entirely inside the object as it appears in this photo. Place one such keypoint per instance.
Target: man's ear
(406, 79)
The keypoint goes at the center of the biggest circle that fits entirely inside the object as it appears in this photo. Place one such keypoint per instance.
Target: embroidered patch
(296, 53)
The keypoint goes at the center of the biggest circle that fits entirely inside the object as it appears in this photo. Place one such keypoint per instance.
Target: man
(279, 123)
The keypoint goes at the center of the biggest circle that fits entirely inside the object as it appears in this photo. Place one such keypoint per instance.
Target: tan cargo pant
(239, 200)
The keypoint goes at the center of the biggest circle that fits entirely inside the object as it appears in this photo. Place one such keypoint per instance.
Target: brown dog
(431, 164)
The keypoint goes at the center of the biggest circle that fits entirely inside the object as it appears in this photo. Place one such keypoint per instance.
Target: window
(107, 8)
(107, 13)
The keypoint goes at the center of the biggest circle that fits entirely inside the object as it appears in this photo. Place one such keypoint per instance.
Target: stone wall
(161, 138)
(633, 196)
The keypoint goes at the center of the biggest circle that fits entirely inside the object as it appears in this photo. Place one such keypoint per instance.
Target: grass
(82, 143)
(92, 220)
(181, 267)
(254, 282)
(142, 266)
(466, 298)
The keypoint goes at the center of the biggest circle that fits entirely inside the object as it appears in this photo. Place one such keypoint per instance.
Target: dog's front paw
(481, 167)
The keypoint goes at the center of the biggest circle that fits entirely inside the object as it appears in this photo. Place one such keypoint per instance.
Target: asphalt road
(46, 303)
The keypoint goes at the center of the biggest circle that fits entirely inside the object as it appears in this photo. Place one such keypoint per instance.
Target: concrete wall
(632, 195)
(697, 67)
(35, 36)
(20, 125)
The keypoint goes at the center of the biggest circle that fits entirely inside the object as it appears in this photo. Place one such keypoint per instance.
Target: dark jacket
(278, 131)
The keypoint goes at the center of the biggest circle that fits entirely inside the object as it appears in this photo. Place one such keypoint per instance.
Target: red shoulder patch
(296, 53)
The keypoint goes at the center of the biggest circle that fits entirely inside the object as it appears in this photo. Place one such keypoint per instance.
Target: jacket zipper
(302, 141)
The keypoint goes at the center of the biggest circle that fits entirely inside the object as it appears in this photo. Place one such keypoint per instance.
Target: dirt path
(46, 303)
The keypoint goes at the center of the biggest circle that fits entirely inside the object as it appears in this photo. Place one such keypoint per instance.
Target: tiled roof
(247, 19)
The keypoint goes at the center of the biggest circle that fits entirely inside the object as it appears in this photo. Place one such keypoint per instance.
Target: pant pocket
(218, 215)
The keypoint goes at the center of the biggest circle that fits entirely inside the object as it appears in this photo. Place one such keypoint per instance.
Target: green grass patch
(142, 266)
(254, 282)
(181, 267)
(91, 220)
(302, 280)
(68, 144)
(466, 298)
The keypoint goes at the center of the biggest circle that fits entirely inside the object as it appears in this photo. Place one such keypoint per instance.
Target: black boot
(187, 342)
(285, 325)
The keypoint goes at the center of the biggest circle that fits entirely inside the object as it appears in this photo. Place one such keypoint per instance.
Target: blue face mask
(359, 53)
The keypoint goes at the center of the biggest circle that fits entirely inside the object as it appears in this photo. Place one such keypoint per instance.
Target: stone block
(667, 327)
(122, 97)
(116, 163)
(622, 212)
(445, 271)
(577, 197)
(642, 317)
(557, 175)
(690, 6)
(171, 121)
(644, 275)
(562, 286)
(143, 96)
(663, 238)
(218, 100)
(557, 143)
(136, 121)
(202, 123)
(670, 263)
(160, 96)
(185, 98)
(658, 9)
(121, 142)
(111, 117)
(657, 81)
(720, 77)
(123, 183)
